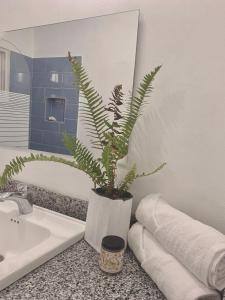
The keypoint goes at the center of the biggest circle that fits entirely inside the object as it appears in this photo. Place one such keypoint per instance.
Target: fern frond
(135, 105)
(93, 108)
(128, 179)
(132, 176)
(152, 172)
(84, 159)
(110, 135)
(16, 165)
(107, 160)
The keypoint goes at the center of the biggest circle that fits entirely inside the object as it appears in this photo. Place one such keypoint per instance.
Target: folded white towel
(172, 278)
(200, 248)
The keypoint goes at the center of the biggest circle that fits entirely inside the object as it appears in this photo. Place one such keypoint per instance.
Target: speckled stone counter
(63, 204)
(74, 273)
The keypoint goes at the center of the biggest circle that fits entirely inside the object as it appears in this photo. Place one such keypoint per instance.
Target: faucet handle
(22, 189)
(4, 195)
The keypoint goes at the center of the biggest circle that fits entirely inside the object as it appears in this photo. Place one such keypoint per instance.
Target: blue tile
(49, 148)
(70, 126)
(69, 81)
(18, 63)
(53, 93)
(53, 139)
(36, 136)
(64, 128)
(37, 94)
(54, 79)
(49, 126)
(36, 122)
(62, 150)
(71, 111)
(38, 109)
(29, 62)
(58, 64)
(49, 76)
(20, 73)
(40, 65)
(55, 149)
(20, 83)
(36, 146)
(39, 79)
(43, 125)
(71, 95)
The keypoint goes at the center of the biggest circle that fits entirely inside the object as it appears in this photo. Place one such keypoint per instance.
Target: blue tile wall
(21, 68)
(54, 93)
(52, 78)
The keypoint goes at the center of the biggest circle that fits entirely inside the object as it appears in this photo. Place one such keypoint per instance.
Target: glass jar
(112, 252)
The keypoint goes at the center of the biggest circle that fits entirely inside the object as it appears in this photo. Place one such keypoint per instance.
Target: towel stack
(184, 257)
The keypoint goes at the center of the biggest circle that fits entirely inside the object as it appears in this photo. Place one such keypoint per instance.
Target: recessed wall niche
(55, 110)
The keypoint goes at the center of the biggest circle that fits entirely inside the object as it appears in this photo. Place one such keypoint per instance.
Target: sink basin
(27, 241)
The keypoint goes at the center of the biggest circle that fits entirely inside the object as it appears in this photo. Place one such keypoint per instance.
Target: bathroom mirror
(39, 99)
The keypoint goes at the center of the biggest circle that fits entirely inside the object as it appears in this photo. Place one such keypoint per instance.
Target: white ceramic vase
(106, 217)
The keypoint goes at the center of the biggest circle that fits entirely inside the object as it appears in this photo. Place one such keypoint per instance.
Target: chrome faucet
(20, 198)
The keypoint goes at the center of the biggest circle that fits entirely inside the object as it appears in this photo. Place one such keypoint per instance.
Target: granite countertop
(74, 273)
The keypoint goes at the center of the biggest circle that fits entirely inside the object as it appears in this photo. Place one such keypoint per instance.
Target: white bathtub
(27, 241)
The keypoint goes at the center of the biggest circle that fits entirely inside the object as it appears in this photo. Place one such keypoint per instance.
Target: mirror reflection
(39, 96)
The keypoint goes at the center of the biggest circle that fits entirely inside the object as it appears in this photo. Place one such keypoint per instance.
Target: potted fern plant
(109, 129)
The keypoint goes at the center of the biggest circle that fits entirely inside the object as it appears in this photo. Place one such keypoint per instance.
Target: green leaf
(93, 104)
(134, 108)
(128, 179)
(152, 172)
(84, 159)
(16, 165)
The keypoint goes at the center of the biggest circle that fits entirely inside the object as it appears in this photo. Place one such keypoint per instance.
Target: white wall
(19, 41)
(186, 124)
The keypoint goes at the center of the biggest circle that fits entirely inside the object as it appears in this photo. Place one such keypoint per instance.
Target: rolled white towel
(172, 278)
(200, 248)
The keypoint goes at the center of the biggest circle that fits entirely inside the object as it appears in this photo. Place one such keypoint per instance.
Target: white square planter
(106, 217)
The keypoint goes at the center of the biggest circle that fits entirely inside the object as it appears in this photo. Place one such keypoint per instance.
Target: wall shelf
(55, 110)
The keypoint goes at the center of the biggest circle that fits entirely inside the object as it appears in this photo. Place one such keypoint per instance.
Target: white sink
(27, 241)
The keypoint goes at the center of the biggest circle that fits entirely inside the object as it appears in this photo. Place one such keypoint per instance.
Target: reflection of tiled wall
(52, 78)
(20, 73)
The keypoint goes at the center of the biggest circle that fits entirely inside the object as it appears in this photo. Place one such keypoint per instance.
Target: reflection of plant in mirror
(109, 135)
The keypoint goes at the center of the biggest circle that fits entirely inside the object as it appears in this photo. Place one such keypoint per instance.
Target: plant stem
(113, 161)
